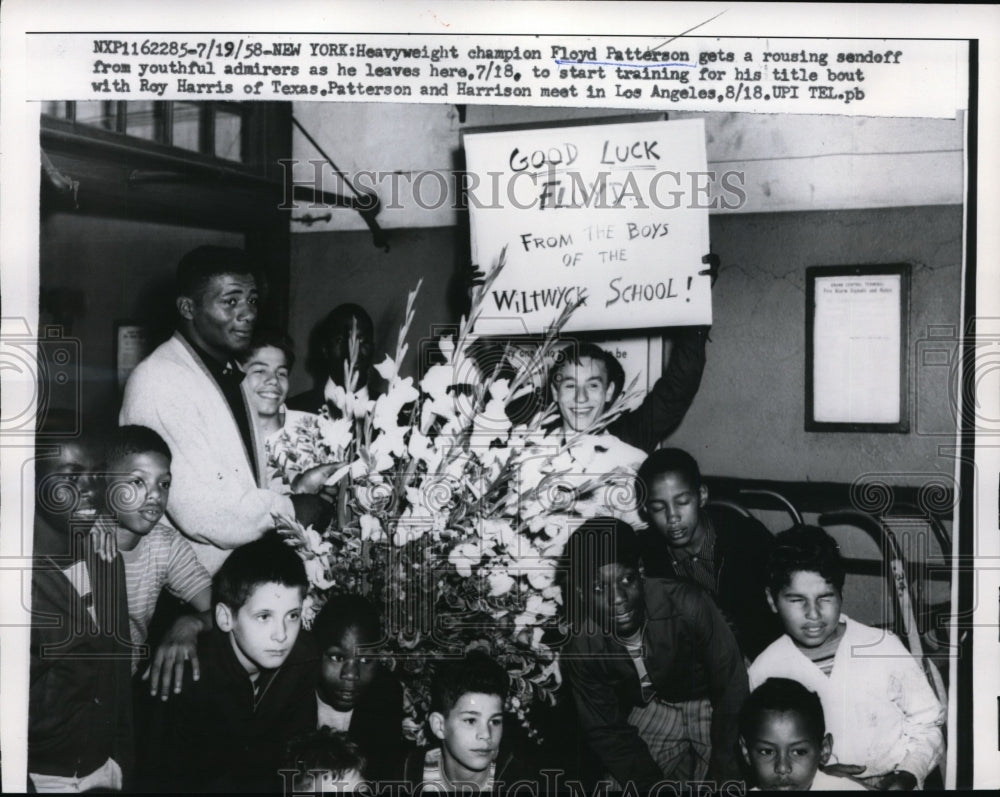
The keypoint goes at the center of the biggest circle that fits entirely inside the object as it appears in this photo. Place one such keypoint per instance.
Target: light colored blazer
(215, 500)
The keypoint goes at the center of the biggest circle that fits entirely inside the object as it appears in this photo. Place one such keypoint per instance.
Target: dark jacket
(79, 700)
(742, 546)
(663, 409)
(214, 736)
(510, 771)
(690, 654)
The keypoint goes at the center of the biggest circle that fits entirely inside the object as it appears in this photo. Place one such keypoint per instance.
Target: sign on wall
(615, 215)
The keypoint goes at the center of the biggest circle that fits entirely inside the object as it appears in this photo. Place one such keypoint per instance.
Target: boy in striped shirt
(155, 555)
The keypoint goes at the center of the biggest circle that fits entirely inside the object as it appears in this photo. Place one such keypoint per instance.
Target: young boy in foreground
(229, 730)
(884, 717)
(325, 761)
(784, 741)
(656, 673)
(467, 701)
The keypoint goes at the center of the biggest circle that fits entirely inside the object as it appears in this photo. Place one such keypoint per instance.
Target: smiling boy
(882, 713)
(228, 731)
(657, 677)
(586, 379)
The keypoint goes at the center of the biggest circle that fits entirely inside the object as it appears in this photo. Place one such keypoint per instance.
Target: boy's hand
(712, 261)
(900, 780)
(102, 535)
(179, 645)
(314, 479)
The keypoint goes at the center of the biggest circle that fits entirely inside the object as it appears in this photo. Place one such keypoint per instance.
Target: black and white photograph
(516, 397)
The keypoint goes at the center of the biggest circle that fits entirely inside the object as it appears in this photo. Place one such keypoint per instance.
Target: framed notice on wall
(132, 343)
(857, 320)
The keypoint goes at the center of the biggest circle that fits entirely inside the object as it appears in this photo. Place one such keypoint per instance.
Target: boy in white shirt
(882, 713)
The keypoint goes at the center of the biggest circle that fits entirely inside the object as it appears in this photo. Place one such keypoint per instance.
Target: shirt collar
(215, 366)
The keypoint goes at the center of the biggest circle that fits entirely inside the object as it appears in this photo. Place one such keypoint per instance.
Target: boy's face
(809, 608)
(67, 494)
(783, 754)
(265, 628)
(470, 735)
(673, 507)
(345, 672)
(581, 391)
(267, 380)
(222, 317)
(617, 601)
(138, 489)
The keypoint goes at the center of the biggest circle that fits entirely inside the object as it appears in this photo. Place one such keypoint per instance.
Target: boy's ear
(436, 721)
(825, 749)
(224, 617)
(744, 751)
(702, 496)
(770, 600)
(609, 393)
(185, 306)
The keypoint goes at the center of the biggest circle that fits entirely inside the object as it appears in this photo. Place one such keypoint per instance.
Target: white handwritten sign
(616, 215)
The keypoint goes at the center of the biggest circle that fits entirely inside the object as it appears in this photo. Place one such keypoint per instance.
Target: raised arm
(662, 411)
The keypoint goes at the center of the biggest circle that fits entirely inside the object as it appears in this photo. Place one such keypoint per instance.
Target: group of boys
(663, 621)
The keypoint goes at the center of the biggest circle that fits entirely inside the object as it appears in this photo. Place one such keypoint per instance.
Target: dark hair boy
(467, 713)
(784, 741)
(228, 731)
(719, 549)
(882, 713)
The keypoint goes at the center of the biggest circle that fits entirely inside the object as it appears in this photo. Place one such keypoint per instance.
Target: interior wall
(95, 271)
(748, 418)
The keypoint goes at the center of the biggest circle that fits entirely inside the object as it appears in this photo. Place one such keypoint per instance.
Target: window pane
(57, 109)
(97, 113)
(228, 135)
(140, 119)
(187, 126)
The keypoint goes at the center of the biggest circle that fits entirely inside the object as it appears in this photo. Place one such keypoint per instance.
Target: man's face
(673, 507)
(783, 754)
(337, 348)
(346, 672)
(470, 735)
(809, 608)
(138, 489)
(265, 628)
(222, 317)
(67, 494)
(267, 380)
(617, 601)
(581, 390)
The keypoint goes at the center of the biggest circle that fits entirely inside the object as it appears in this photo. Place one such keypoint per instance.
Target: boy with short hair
(467, 703)
(324, 761)
(155, 554)
(79, 702)
(784, 741)
(229, 730)
(355, 692)
(656, 673)
(883, 714)
(718, 549)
